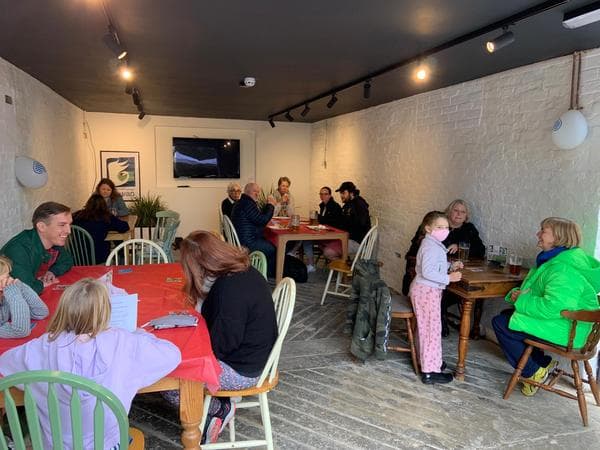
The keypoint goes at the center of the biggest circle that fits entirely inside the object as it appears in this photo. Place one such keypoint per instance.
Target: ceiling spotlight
(367, 89)
(271, 122)
(136, 97)
(289, 117)
(582, 16)
(140, 107)
(305, 111)
(141, 115)
(126, 72)
(111, 39)
(501, 41)
(332, 101)
(421, 73)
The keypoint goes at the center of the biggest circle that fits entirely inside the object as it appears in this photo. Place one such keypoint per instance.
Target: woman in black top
(236, 302)
(96, 219)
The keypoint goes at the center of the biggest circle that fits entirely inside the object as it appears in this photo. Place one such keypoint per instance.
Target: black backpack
(295, 269)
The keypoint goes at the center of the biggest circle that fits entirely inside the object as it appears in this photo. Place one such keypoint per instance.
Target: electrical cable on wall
(87, 133)
(325, 149)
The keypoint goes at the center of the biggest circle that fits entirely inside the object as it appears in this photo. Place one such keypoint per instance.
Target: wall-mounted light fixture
(289, 117)
(582, 16)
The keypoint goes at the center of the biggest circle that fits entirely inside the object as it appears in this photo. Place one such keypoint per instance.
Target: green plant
(262, 197)
(145, 208)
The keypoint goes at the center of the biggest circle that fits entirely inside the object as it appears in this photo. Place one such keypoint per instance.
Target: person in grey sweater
(18, 304)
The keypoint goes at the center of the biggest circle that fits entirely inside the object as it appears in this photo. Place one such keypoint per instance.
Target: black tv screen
(206, 158)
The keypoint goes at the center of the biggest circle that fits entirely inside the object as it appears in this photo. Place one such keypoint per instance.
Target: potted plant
(262, 197)
(145, 208)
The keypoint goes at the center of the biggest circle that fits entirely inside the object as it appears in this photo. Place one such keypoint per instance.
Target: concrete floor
(327, 400)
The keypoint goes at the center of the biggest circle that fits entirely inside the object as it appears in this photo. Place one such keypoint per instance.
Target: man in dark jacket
(249, 222)
(330, 211)
(355, 215)
(38, 255)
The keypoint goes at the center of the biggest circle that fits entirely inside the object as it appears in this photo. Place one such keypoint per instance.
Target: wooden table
(159, 290)
(479, 281)
(130, 234)
(278, 233)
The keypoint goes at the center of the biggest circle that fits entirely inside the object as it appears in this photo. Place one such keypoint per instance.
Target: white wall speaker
(569, 130)
(30, 173)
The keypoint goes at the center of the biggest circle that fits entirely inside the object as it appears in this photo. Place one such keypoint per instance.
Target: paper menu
(124, 311)
(123, 305)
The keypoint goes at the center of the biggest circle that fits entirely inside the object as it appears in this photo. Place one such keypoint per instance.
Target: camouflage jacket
(368, 312)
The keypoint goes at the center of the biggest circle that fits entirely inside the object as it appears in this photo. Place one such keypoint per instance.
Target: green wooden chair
(80, 245)
(258, 260)
(17, 389)
(167, 223)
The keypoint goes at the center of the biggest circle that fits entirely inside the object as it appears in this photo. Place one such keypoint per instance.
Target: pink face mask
(440, 234)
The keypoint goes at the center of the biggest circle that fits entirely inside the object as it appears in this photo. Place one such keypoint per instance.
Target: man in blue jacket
(38, 255)
(250, 221)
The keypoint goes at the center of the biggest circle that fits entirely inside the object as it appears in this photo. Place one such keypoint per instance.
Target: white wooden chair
(284, 297)
(341, 267)
(230, 233)
(137, 252)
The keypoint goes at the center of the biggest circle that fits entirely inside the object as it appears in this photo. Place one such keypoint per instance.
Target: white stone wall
(487, 141)
(44, 126)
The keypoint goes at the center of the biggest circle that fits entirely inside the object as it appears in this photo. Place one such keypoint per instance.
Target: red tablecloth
(157, 297)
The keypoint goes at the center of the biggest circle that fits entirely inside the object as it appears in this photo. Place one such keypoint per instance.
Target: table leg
(476, 330)
(344, 249)
(281, 244)
(191, 398)
(463, 340)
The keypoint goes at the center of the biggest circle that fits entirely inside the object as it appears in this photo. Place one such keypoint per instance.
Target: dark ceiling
(190, 55)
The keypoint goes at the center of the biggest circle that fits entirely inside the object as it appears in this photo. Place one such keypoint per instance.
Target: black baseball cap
(346, 186)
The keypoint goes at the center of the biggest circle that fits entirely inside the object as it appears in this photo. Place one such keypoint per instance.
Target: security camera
(248, 82)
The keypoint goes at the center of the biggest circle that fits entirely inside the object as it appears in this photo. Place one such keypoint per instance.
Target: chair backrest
(220, 220)
(80, 245)
(374, 221)
(258, 260)
(230, 233)
(137, 252)
(365, 249)
(167, 236)
(163, 220)
(31, 382)
(584, 316)
(284, 298)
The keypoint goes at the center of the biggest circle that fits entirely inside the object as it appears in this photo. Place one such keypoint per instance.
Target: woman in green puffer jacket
(564, 278)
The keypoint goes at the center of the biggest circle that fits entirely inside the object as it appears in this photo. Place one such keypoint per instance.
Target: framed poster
(123, 168)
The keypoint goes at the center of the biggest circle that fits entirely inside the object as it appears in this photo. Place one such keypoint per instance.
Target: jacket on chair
(369, 311)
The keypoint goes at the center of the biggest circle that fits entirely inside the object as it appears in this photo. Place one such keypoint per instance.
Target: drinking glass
(295, 221)
(515, 262)
(314, 217)
(463, 251)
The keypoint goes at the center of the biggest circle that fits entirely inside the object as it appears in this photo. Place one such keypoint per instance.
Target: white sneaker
(310, 268)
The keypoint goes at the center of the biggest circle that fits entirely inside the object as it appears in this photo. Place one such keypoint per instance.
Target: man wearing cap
(355, 220)
(38, 255)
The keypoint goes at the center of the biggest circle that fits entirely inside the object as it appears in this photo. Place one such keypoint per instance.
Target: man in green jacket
(38, 255)
(564, 278)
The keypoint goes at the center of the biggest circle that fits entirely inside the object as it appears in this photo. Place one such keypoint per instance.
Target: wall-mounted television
(206, 158)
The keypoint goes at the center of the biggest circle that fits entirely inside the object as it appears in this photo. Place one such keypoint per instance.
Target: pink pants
(426, 302)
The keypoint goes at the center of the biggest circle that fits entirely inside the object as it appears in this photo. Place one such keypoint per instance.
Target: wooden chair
(341, 267)
(80, 245)
(164, 233)
(137, 252)
(284, 297)
(585, 353)
(258, 260)
(230, 233)
(59, 401)
(402, 309)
